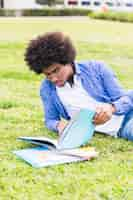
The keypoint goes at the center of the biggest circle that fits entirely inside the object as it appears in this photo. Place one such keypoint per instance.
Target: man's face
(58, 73)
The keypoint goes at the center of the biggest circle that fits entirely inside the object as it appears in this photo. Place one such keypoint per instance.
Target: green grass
(109, 177)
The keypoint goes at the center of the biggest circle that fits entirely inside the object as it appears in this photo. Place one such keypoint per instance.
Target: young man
(70, 86)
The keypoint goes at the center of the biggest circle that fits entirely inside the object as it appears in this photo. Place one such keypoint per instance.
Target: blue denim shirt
(98, 80)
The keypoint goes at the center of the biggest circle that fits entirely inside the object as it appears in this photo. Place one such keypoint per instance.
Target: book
(43, 157)
(64, 150)
(78, 132)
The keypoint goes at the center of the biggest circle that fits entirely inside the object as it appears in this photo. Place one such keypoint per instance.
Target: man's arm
(121, 99)
(51, 114)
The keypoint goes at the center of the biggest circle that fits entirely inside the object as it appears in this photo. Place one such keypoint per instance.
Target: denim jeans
(126, 130)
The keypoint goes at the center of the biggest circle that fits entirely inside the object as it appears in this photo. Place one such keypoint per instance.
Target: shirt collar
(77, 69)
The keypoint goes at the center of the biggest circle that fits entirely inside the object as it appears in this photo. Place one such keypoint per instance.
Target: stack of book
(68, 148)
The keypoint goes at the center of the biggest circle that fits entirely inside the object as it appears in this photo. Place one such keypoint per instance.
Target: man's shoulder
(90, 65)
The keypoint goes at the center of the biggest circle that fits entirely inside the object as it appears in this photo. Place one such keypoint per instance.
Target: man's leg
(126, 130)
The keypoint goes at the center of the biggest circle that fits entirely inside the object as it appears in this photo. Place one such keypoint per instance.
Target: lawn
(110, 176)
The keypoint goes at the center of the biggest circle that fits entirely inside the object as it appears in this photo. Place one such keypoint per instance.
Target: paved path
(77, 18)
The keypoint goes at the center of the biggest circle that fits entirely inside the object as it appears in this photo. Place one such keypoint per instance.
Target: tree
(46, 2)
(1, 3)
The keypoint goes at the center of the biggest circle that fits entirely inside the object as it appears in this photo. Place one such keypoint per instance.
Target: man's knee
(126, 131)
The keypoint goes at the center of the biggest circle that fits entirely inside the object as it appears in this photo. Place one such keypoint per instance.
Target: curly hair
(50, 48)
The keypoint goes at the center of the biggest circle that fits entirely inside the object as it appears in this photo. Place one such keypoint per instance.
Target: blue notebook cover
(42, 157)
(79, 131)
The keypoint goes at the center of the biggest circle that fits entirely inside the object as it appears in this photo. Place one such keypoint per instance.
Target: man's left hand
(103, 113)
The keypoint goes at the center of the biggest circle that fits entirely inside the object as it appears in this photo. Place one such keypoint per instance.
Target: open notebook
(43, 157)
(78, 132)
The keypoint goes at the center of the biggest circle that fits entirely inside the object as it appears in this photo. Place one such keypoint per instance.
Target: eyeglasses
(54, 72)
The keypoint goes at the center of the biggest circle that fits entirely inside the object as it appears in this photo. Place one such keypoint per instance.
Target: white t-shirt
(76, 97)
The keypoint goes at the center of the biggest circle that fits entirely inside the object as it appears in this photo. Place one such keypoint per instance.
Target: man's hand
(61, 125)
(103, 113)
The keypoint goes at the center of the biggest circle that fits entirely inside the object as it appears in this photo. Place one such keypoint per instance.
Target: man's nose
(53, 79)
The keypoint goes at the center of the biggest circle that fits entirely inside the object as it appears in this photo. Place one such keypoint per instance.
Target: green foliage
(109, 177)
(56, 12)
(115, 16)
(2, 12)
(51, 11)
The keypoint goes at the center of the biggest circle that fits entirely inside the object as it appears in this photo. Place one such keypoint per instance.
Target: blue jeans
(126, 130)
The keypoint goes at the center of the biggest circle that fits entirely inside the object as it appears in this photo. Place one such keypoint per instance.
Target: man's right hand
(61, 125)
